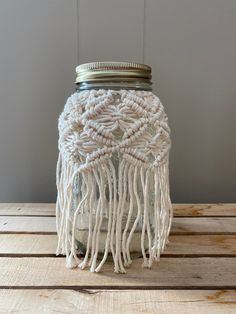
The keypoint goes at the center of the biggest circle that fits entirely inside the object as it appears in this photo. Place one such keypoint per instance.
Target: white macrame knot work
(114, 148)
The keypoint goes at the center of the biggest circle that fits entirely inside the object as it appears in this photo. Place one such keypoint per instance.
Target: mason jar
(113, 168)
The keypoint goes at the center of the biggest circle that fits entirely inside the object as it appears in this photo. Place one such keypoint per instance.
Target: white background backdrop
(191, 47)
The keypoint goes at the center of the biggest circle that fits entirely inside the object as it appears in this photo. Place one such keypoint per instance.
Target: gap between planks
(86, 288)
(197, 279)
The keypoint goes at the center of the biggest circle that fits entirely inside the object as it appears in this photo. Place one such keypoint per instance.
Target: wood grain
(27, 209)
(189, 210)
(203, 225)
(198, 210)
(27, 224)
(117, 301)
(192, 245)
(175, 273)
(196, 245)
(28, 244)
(180, 225)
(201, 256)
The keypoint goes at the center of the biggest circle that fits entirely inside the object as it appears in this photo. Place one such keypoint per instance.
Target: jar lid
(113, 71)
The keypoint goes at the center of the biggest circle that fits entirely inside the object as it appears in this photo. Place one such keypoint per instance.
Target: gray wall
(190, 45)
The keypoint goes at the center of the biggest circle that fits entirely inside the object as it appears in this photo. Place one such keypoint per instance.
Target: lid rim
(111, 65)
(113, 79)
(109, 69)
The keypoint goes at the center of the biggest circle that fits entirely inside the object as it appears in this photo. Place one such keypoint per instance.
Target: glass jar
(112, 174)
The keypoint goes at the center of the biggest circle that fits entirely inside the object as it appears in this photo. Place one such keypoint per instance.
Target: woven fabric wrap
(94, 126)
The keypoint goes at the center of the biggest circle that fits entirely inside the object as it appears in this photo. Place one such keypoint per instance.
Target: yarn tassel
(123, 188)
(138, 216)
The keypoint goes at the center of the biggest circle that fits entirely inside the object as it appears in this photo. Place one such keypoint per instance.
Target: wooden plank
(203, 225)
(197, 245)
(117, 301)
(192, 210)
(196, 210)
(192, 245)
(28, 244)
(27, 224)
(27, 209)
(203, 272)
(180, 225)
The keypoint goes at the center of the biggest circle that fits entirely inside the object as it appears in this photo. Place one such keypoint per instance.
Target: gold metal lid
(113, 71)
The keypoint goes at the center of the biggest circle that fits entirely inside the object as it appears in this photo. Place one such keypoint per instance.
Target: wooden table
(196, 274)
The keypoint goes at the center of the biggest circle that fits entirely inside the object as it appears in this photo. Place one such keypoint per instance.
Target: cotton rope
(94, 126)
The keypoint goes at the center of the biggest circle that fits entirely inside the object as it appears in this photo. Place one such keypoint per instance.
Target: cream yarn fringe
(87, 142)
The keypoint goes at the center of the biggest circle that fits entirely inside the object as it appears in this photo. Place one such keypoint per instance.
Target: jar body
(113, 176)
(122, 184)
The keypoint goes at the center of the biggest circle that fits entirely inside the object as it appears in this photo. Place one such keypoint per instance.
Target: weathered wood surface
(211, 225)
(192, 210)
(27, 209)
(198, 210)
(197, 271)
(180, 245)
(169, 272)
(203, 225)
(27, 224)
(118, 301)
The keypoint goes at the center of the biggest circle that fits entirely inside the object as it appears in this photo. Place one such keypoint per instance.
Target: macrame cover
(88, 138)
